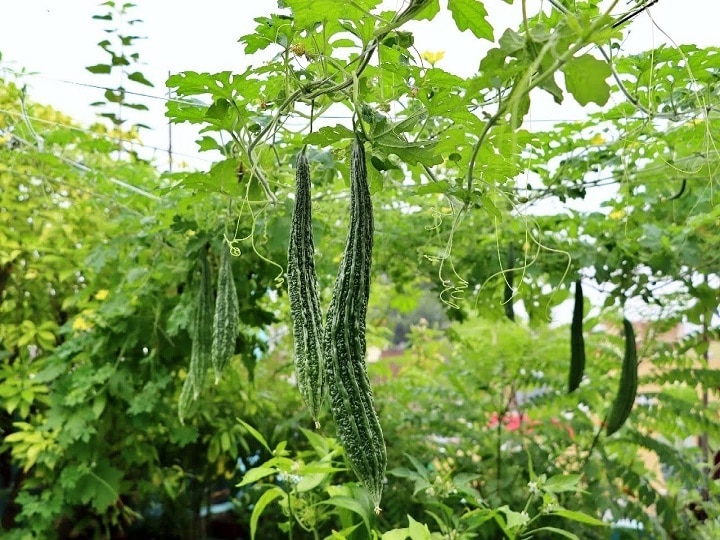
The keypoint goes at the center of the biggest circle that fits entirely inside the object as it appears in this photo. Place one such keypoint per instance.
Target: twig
(634, 13)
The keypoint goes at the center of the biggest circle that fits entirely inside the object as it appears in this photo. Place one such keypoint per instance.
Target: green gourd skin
(577, 341)
(201, 350)
(625, 399)
(187, 404)
(351, 399)
(508, 287)
(227, 315)
(304, 296)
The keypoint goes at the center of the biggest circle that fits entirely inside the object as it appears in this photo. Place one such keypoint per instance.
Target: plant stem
(504, 412)
(527, 85)
(593, 444)
(317, 89)
(292, 517)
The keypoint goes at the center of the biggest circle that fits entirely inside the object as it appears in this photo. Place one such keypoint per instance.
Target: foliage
(99, 280)
(123, 62)
(489, 444)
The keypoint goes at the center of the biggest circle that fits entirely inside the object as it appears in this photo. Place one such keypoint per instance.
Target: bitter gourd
(187, 404)
(201, 349)
(508, 289)
(577, 341)
(227, 313)
(304, 296)
(351, 398)
(625, 399)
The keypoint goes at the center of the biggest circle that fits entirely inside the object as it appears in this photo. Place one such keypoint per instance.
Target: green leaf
(99, 487)
(328, 135)
(470, 15)
(343, 534)
(579, 517)
(561, 483)
(137, 107)
(585, 78)
(208, 143)
(310, 481)
(419, 467)
(441, 186)
(120, 61)
(318, 442)
(514, 519)
(140, 78)
(348, 503)
(266, 498)
(557, 531)
(99, 69)
(219, 109)
(410, 152)
(418, 531)
(255, 433)
(309, 12)
(396, 534)
(511, 41)
(475, 518)
(274, 29)
(428, 11)
(253, 475)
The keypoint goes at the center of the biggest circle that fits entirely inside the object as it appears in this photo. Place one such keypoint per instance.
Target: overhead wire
(85, 169)
(194, 103)
(97, 134)
(164, 98)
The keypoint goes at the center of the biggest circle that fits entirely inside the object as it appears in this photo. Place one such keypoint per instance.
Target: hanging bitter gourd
(508, 289)
(201, 334)
(201, 350)
(304, 296)
(625, 399)
(187, 404)
(577, 341)
(351, 399)
(227, 314)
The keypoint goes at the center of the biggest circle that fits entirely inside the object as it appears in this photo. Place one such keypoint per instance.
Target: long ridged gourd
(627, 390)
(577, 341)
(201, 349)
(226, 319)
(187, 404)
(304, 297)
(508, 289)
(351, 398)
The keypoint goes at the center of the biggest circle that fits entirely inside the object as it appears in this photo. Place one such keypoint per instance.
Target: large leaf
(585, 78)
(309, 12)
(470, 15)
(266, 498)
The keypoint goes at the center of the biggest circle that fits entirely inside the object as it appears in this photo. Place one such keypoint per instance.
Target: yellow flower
(617, 214)
(432, 57)
(81, 324)
(597, 140)
(102, 294)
